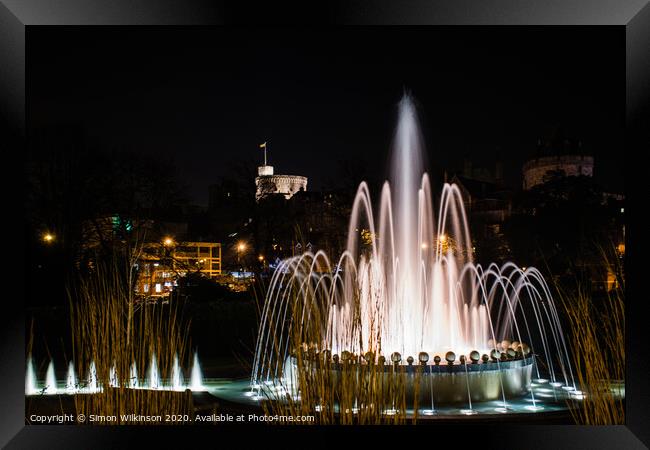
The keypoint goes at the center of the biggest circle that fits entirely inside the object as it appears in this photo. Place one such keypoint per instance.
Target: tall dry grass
(355, 389)
(349, 392)
(110, 328)
(598, 348)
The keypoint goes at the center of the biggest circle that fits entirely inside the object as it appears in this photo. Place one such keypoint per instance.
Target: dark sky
(208, 97)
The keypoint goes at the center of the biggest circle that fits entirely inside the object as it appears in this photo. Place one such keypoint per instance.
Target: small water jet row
(407, 284)
(90, 384)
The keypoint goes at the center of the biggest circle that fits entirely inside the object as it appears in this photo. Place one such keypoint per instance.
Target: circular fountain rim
(489, 366)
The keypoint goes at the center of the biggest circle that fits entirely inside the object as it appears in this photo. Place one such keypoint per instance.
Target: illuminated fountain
(71, 379)
(196, 379)
(91, 384)
(113, 379)
(177, 376)
(133, 376)
(154, 377)
(30, 379)
(50, 380)
(406, 299)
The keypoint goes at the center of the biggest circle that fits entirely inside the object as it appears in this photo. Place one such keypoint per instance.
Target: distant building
(268, 184)
(161, 265)
(161, 259)
(555, 158)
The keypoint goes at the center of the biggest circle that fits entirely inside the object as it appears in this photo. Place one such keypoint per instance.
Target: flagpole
(265, 144)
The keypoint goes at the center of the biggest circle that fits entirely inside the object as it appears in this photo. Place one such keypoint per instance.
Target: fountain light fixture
(450, 357)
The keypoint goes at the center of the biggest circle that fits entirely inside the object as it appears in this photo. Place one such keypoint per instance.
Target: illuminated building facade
(162, 264)
(557, 158)
(267, 183)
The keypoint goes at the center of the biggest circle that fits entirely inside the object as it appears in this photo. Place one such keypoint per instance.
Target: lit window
(158, 287)
(146, 288)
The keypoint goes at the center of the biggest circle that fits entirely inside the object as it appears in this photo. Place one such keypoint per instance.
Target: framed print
(360, 217)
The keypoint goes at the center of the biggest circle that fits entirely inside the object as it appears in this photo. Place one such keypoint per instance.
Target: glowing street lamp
(48, 238)
(168, 241)
(241, 247)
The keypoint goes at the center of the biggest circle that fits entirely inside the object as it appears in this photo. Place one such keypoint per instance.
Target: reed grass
(598, 344)
(356, 390)
(111, 328)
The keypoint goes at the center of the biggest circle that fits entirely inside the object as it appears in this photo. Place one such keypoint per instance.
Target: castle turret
(557, 158)
(267, 183)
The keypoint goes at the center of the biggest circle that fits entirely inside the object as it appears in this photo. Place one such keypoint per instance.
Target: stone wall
(538, 170)
(280, 184)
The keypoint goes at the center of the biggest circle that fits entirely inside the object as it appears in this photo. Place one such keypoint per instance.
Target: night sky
(208, 97)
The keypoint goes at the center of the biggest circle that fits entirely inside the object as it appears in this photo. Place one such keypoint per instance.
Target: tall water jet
(31, 387)
(133, 376)
(196, 379)
(93, 383)
(50, 380)
(406, 170)
(177, 375)
(154, 377)
(71, 378)
(113, 380)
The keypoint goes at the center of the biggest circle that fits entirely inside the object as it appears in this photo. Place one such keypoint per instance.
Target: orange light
(261, 258)
(168, 241)
(241, 246)
(48, 237)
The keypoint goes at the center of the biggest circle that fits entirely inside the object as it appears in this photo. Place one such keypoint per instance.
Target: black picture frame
(17, 16)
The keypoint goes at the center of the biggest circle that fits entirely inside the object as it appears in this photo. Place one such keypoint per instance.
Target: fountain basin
(446, 384)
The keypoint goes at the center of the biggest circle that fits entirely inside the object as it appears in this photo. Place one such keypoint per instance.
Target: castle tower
(267, 183)
(559, 158)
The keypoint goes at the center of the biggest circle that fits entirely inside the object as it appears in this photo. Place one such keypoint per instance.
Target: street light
(241, 247)
(168, 241)
(48, 238)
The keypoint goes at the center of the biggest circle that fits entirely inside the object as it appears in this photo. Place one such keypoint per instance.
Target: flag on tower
(263, 145)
